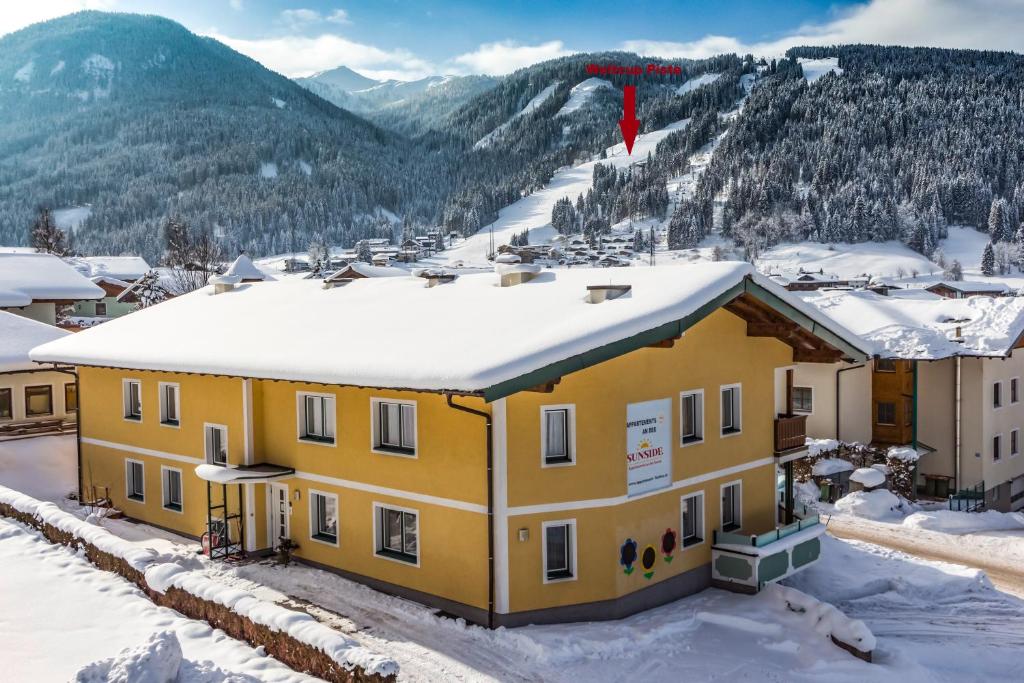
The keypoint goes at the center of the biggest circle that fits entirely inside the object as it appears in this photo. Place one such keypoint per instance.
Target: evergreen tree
(988, 261)
(955, 272)
(363, 252)
(47, 238)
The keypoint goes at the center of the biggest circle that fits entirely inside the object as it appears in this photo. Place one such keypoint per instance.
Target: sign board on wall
(648, 446)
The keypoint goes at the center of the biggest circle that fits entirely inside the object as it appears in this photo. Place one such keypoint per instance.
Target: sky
(409, 39)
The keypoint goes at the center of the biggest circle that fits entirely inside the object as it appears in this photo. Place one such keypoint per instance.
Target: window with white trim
(323, 516)
(170, 404)
(38, 400)
(558, 434)
(1014, 442)
(132, 396)
(216, 444)
(732, 408)
(394, 427)
(559, 551)
(172, 489)
(691, 418)
(6, 404)
(398, 534)
(316, 417)
(135, 480)
(691, 524)
(803, 399)
(997, 394)
(997, 448)
(732, 506)
(1014, 390)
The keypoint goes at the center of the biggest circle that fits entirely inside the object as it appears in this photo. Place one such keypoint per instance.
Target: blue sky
(405, 39)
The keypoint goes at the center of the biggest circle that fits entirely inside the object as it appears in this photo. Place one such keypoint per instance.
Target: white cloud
(338, 16)
(505, 57)
(237, 5)
(17, 15)
(304, 55)
(300, 18)
(977, 24)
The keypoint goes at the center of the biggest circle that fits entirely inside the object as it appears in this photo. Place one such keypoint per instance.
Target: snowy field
(934, 621)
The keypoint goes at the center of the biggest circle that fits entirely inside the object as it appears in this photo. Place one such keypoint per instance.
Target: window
(692, 524)
(997, 394)
(1014, 442)
(885, 365)
(691, 419)
(6, 404)
(397, 534)
(216, 444)
(558, 434)
(323, 517)
(135, 480)
(559, 551)
(1014, 394)
(316, 418)
(908, 411)
(170, 404)
(731, 409)
(394, 427)
(886, 413)
(70, 397)
(997, 447)
(101, 308)
(732, 506)
(172, 488)
(38, 401)
(132, 389)
(803, 399)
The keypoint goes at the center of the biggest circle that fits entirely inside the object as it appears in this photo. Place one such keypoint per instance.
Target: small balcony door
(279, 514)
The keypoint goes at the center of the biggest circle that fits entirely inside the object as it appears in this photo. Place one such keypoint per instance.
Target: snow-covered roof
(470, 335)
(868, 477)
(104, 279)
(925, 329)
(18, 336)
(965, 286)
(28, 277)
(128, 268)
(246, 269)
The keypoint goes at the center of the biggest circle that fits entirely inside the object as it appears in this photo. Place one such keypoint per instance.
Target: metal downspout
(490, 502)
(957, 434)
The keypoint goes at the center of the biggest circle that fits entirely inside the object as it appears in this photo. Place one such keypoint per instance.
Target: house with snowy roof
(36, 285)
(518, 447)
(93, 312)
(945, 379)
(124, 268)
(243, 268)
(958, 289)
(34, 399)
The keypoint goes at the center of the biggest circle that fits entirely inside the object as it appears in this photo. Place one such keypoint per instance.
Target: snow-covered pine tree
(955, 272)
(47, 238)
(988, 261)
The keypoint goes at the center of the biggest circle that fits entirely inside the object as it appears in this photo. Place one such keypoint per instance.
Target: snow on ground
(59, 614)
(531, 106)
(268, 170)
(533, 212)
(24, 74)
(879, 505)
(879, 259)
(581, 94)
(952, 522)
(699, 81)
(816, 68)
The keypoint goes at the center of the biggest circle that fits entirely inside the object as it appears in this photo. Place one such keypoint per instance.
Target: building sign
(648, 446)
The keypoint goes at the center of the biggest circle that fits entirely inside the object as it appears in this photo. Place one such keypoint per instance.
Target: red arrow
(628, 124)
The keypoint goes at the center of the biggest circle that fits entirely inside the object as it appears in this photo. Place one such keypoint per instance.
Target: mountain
(143, 120)
(342, 77)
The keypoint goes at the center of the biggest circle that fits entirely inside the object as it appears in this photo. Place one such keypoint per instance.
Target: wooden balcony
(790, 432)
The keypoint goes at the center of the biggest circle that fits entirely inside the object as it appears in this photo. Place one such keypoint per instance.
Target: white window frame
(13, 416)
(1014, 442)
(800, 411)
(162, 389)
(570, 436)
(1014, 383)
(331, 419)
(699, 418)
(378, 546)
(375, 427)
(997, 391)
(208, 456)
(164, 469)
(739, 504)
(128, 479)
(573, 551)
(737, 410)
(313, 531)
(997, 455)
(126, 400)
(703, 520)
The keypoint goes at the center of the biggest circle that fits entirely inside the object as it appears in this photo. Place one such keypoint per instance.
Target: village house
(124, 268)
(540, 448)
(945, 380)
(86, 313)
(34, 399)
(39, 286)
(955, 289)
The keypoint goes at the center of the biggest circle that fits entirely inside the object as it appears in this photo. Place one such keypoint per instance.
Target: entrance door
(279, 514)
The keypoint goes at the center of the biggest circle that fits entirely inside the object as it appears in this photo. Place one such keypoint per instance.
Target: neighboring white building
(34, 285)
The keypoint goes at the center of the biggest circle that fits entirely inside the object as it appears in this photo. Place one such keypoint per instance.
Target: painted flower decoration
(647, 560)
(627, 555)
(668, 544)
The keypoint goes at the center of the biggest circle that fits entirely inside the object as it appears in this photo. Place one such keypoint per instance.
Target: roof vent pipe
(599, 293)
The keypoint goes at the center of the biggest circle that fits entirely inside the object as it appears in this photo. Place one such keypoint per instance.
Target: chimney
(224, 283)
(340, 282)
(600, 293)
(512, 274)
(435, 276)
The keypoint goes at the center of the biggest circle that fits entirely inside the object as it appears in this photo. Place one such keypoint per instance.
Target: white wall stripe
(142, 451)
(499, 417)
(620, 500)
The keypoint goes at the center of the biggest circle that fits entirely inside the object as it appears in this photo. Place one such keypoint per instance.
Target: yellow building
(532, 447)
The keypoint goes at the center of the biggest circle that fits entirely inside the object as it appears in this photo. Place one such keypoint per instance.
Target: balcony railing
(790, 432)
(744, 563)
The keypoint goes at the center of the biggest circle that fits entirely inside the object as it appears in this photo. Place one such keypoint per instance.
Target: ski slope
(581, 94)
(531, 106)
(533, 212)
(699, 81)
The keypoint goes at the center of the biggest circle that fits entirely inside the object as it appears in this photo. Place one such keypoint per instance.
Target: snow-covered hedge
(296, 637)
(852, 635)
